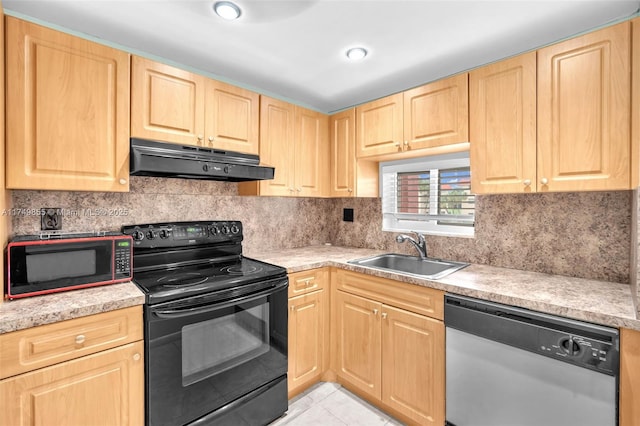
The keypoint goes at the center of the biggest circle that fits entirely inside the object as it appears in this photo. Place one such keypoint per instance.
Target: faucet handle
(419, 235)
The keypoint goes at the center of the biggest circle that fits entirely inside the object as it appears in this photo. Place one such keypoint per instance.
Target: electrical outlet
(50, 219)
(347, 215)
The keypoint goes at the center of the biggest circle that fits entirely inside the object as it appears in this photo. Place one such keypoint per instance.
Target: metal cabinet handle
(211, 139)
(80, 339)
(527, 182)
(375, 312)
(349, 190)
(122, 181)
(398, 144)
(384, 315)
(544, 181)
(200, 138)
(136, 357)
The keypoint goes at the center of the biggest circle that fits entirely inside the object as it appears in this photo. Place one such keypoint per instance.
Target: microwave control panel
(122, 255)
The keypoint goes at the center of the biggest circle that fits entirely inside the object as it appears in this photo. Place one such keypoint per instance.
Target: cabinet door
(167, 103)
(358, 358)
(306, 340)
(379, 128)
(502, 97)
(4, 229)
(436, 114)
(231, 117)
(106, 388)
(583, 112)
(68, 125)
(629, 377)
(311, 153)
(343, 153)
(276, 145)
(413, 365)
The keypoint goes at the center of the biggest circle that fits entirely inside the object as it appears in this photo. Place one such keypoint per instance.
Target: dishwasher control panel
(577, 349)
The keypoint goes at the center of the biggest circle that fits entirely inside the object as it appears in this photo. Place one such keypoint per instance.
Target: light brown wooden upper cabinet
(174, 105)
(437, 114)
(502, 100)
(68, 120)
(428, 116)
(343, 153)
(4, 219)
(295, 141)
(635, 103)
(379, 128)
(584, 112)
(350, 177)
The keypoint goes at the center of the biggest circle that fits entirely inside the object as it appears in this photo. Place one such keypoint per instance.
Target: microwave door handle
(184, 312)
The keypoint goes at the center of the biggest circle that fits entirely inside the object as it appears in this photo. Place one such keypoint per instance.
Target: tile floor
(329, 404)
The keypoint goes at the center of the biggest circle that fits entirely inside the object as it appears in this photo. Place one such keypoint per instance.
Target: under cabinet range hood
(152, 158)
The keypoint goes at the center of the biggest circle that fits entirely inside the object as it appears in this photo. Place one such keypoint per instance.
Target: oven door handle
(184, 312)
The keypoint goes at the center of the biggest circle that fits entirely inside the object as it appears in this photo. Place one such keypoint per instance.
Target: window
(430, 195)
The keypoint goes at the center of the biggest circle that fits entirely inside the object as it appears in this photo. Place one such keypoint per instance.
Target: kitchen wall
(585, 234)
(582, 234)
(269, 223)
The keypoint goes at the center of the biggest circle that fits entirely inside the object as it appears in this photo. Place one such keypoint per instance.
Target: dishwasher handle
(576, 342)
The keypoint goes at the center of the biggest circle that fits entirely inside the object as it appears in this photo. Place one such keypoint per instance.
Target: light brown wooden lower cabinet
(389, 345)
(84, 371)
(308, 329)
(106, 388)
(629, 377)
(392, 356)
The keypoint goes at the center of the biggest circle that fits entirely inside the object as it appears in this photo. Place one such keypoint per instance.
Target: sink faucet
(420, 244)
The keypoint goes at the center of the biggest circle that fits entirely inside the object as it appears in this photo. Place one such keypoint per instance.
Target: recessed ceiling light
(356, 53)
(227, 10)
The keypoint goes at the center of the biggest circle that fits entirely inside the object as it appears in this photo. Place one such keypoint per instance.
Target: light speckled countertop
(595, 301)
(49, 308)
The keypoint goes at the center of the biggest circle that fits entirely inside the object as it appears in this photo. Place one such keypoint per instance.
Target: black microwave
(36, 266)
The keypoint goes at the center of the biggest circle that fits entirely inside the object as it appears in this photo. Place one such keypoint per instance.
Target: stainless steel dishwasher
(507, 366)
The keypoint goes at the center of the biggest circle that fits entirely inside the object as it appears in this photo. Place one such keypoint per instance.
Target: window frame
(407, 222)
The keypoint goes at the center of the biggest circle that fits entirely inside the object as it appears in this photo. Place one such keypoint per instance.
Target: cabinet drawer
(38, 347)
(307, 281)
(414, 298)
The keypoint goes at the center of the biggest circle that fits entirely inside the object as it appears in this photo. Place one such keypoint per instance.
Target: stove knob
(164, 233)
(138, 235)
(214, 230)
(152, 234)
(225, 229)
(234, 229)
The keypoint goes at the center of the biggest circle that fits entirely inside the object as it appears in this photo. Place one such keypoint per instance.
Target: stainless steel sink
(412, 265)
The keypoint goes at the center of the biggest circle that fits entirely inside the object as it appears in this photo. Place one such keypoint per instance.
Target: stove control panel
(179, 234)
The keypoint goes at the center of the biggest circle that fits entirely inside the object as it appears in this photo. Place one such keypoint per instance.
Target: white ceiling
(294, 49)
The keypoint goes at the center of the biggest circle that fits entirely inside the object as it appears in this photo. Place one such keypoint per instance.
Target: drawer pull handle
(136, 357)
(80, 339)
(384, 315)
(375, 312)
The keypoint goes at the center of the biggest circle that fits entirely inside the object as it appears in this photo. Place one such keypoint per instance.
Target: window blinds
(442, 195)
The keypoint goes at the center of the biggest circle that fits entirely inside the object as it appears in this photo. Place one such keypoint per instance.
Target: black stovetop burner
(177, 260)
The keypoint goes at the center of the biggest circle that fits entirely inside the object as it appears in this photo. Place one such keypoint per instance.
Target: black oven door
(203, 357)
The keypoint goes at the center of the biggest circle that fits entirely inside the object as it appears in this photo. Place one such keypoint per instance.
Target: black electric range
(216, 326)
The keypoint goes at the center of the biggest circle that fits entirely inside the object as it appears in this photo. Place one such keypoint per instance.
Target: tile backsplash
(584, 234)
